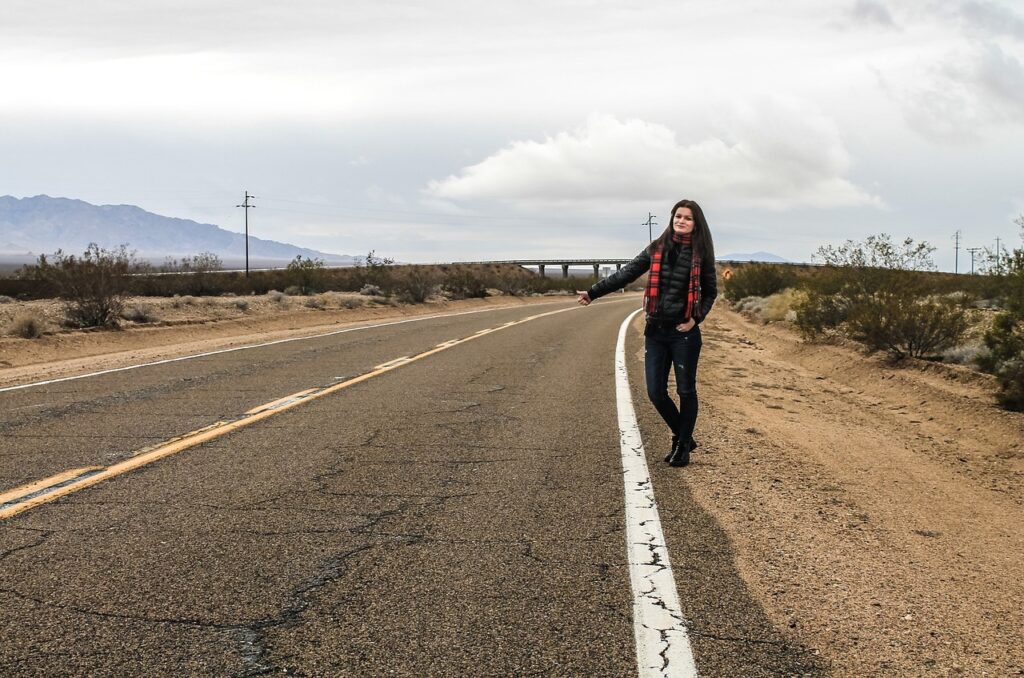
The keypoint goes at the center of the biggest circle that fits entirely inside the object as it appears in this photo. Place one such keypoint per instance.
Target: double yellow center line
(39, 492)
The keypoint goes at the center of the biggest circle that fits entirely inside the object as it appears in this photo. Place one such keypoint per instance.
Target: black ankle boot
(675, 443)
(681, 456)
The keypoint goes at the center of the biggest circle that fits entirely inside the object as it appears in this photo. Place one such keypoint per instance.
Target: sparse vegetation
(415, 284)
(4, 299)
(306, 274)
(139, 314)
(315, 303)
(92, 285)
(1005, 340)
(240, 304)
(758, 280)
(26, 325)
(876, 292)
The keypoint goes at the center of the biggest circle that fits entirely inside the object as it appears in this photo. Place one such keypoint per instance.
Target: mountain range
(765, 257)
(41, 225)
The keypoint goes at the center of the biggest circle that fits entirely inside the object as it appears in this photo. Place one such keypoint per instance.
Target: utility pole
(247, 207)
(956, 249)
(999, 268)
(973, 251)
(650, 222)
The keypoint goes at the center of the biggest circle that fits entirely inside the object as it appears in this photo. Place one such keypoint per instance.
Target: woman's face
(682, 222)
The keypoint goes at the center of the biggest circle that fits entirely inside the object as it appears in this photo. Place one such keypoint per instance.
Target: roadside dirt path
(77, 352)
(876, 510)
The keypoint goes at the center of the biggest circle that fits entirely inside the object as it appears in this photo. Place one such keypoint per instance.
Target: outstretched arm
(625, 275)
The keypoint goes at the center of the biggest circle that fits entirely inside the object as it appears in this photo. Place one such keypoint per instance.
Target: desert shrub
(306, 274)
(465, 284)
(197, 274)
(904, 325)
(351, 303)
(372, 270)
(228, 294)
(276, 296)
(1005, 339)
(240, 304)
(819, 315)
(139, 314)
(371, 291)
(758, 280)
(965, 354)
(315, 303)
(772, 308)
(26, 325)
(4, 299)
(415, 284)
(1005, 358)
(293, 291)
(882, 294)
(93, 285)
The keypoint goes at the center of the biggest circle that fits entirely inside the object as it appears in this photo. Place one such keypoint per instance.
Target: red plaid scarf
(654, 279)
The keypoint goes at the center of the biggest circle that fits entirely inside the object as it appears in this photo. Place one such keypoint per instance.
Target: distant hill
(766, 257)
(41, 224)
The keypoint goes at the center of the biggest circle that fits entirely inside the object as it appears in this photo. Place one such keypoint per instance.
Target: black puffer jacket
(675, 280)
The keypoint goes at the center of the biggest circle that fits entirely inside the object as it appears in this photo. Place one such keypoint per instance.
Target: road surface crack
(43, 536)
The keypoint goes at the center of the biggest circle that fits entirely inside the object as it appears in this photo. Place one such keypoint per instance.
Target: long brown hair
(703, 245)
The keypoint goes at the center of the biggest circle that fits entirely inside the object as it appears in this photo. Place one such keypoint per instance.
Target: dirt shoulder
(198, 326)
(876, 509)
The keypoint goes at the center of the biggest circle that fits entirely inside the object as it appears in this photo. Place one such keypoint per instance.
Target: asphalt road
(458, 515)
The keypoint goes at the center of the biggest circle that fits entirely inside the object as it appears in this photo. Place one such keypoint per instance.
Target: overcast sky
(456, 129)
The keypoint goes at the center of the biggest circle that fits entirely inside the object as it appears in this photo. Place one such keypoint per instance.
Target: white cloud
(775, 154)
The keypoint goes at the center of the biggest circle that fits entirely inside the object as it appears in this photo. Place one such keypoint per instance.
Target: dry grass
(26, 325)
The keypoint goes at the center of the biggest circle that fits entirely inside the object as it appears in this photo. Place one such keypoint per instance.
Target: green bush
(884, 295)
(1005, 339)
(465, 283)
(904, 325)
(758, 280)
(93, 286)
(819, 314)
(306, 274)
(1005, 358)
(414, 284)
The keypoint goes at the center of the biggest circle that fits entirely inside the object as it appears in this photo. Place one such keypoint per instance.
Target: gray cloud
(993, 19)
(967, 93)
(870, 12)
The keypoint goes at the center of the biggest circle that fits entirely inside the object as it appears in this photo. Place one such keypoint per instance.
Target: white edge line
(662, 643)
(269, 343)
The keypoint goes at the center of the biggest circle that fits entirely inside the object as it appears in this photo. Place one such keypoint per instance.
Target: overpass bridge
(542, 264)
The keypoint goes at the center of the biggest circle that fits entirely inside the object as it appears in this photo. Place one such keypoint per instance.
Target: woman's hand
(687, 326)
(583, 298)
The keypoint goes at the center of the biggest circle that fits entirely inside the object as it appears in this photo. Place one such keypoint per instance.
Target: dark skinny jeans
(667, 347)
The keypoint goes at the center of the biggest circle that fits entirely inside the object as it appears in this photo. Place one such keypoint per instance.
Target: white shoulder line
(269, 343)
(662, 644)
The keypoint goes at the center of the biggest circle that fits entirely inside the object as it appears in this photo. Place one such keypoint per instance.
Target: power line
(247, 207)
(419, 214)
(956, 249)
(973, 251)
(650, 222)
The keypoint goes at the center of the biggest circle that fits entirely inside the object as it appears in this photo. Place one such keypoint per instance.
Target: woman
(680, 291)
